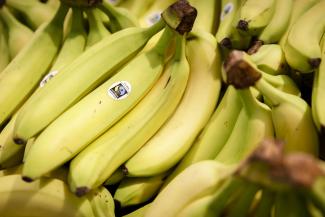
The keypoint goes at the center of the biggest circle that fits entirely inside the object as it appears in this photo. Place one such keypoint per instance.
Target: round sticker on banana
(226, 10)
(153, 18)
(119, 90)
(48, 77)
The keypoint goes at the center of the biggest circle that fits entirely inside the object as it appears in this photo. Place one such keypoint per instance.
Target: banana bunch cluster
(179, 108)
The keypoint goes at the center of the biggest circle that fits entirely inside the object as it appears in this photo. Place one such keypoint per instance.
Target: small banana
(134, 129)
(196, 181)
(175, 137)
(20, 77)
(19, 35)
(4, 49)
(33, 11)
(79, 78)
(279, 22)
(134, 191)
(97, 29)
(255, 16)
(45, 197)
(214, 135)
(302, 48)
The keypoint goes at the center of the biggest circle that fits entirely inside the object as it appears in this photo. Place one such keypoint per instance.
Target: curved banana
(134, 129)
(279, 22)
(19, 35)
(20, 77)
(175, 137)
(270, 59)
(100, 109)
(79, 78)
(45, 197)
(318, 91)
(255, 16)
(4, 49)
(134, 191)
(302, 48)
(33, 11)
(214, 135)
(196, 181)
(97, 29)
(283, 83)
(101, 202)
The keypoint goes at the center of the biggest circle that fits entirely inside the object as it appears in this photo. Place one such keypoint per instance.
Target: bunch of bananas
(172, 108)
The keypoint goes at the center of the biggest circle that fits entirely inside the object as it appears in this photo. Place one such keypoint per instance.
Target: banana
(134, 129)
(97, 29)
(119, 18)
(116, 177)
(318, 91)
(45, 197)
(214, 135)
(19, 78)
(265, 204)
(28, 147)
(79, 78)
(138, 8)
(34, 12)
(134, 191)
(290, 204)
(19, 35)
(227, 35)
(255, 16)
(302, 49)
(270, 59)
(9, 151)
(278, 23)
(102, 202)
(175, 137)
(298, 8)
(207, 11)
(283, 83)
(4, 49)
(196, 181)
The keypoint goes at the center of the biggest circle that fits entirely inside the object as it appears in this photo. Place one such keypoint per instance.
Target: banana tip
(27, 179)
(20, 141)
(226, 43)
(81, 191)
(242, 25)
(314, 62)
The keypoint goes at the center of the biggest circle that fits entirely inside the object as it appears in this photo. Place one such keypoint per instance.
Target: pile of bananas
(171, 108)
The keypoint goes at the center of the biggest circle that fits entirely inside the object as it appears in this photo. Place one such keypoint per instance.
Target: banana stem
(274, 95)
(249, 101)
(60, 15)
(164, 41)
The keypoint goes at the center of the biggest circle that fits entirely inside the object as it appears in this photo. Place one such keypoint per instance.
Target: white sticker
(113, 2)
(226, 10)
(48, 77)
(119, 90)
(153, 18)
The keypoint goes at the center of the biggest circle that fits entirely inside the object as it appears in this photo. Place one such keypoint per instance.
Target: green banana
(23, 73)
(46, 197)
(207, 19)
(196, 181)
(270, 59)
(279, 22)
(174, 138)
(100, 109)
(34, 12)
(254, 16)
(318, 91)
(214, 135)
(298, 8)
(134, 129)
(265, 204)
(97, 29)
(290, 204)
(19, 35)
(134, 191)
(67, 87)
(283, 83)
(4, 49)
(119, 18)
(302, 48)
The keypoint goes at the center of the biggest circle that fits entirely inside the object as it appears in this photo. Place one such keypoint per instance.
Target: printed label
(153, 18)
(48, 77)
(226, 10)
(119, 90)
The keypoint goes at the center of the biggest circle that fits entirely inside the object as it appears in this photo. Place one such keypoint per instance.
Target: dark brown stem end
(242, 25)
(180, 16)
(239, 73)
(226, 43)
(255, 47)
(314, 63)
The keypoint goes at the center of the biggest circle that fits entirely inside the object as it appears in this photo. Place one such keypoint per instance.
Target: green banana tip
(242, 25)
(180, 16)
(81, 191)
(226, 43)
(239, 73)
